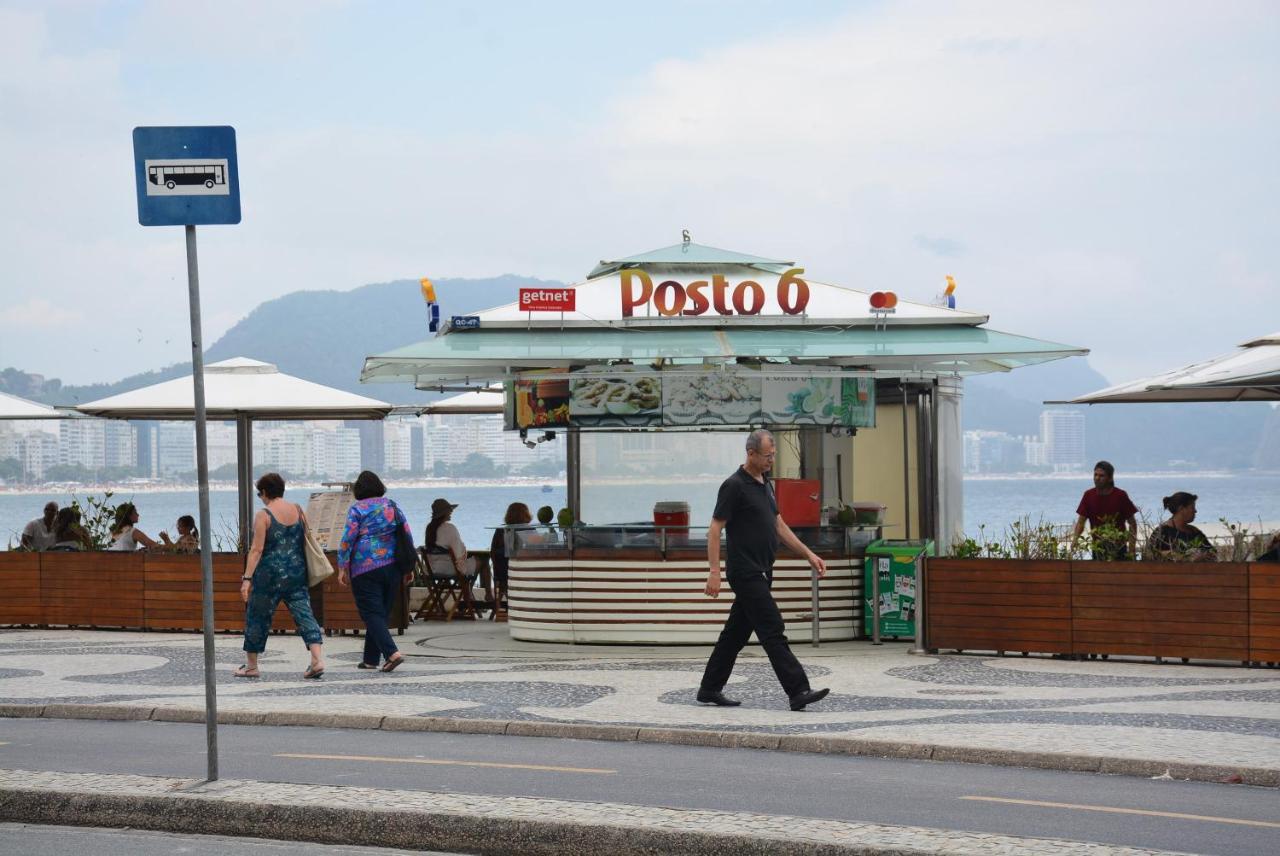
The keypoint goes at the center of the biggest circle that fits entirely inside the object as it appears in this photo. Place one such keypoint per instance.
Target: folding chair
(448, 589)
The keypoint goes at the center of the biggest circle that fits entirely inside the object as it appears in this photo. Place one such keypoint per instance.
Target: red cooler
(799, 501)
(674, 515)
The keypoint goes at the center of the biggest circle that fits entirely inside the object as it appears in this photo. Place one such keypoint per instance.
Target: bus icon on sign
(183, 177)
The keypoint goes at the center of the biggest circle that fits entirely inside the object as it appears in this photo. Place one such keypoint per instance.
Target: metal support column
(573, 472)
(206, 539)
(244, 478)
(906, 466)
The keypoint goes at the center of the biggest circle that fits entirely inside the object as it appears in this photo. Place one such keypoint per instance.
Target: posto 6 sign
(671, 298)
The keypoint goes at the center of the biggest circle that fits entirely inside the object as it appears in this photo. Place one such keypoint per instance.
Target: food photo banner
(714, 397)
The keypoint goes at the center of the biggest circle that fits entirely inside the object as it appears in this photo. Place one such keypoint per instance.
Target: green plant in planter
(564, 518)
(97, 516)
(1027, 540)
(966, 549)
(846, 516)
(1108, 541)
(546, 514)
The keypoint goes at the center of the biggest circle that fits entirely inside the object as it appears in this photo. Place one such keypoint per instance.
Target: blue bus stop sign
(186, 176)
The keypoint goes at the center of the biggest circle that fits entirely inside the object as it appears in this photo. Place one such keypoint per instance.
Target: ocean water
(995, 502)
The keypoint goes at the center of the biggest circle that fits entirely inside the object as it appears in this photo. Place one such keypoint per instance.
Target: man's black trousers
(754, 610)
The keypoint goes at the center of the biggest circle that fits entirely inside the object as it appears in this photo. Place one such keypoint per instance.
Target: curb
(413, 820)
(806, 743)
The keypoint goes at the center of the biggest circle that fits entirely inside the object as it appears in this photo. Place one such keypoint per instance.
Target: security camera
(547, 435)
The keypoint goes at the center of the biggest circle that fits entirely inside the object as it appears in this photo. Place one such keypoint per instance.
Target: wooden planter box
(1264, 612)
(1004, 605)
(137, 591)
(1161, 609)
(1211, 610)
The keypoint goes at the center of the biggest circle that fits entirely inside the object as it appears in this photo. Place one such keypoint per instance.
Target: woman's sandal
(390, 665)
(313, 674)
(247, 671)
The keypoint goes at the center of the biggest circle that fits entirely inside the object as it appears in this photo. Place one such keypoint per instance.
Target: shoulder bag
(406, 555)
(319, 568)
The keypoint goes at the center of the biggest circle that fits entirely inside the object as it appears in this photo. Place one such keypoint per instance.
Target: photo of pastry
(710, 398)
(616, 400)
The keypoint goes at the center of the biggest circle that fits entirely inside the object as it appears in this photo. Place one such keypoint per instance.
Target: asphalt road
(31, 840)
(1171, 815)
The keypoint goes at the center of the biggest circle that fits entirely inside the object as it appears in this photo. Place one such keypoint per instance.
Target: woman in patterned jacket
(367, 558)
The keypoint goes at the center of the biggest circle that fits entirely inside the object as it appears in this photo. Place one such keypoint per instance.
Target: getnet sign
(547, 300)
(671, 297)
(186, 176)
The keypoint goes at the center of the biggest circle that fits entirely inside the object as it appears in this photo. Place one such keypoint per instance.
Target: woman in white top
(443, 536)
(125, 536)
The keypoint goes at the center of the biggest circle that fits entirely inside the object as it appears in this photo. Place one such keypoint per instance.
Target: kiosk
(691, 338)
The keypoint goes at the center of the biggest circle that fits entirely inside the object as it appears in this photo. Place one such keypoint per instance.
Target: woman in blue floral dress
(276, 571)
(367, 557)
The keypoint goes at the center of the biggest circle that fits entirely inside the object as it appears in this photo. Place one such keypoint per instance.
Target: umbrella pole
(202, 472)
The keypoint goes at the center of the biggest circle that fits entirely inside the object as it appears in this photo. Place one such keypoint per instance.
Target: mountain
(321, 336)
(324, 336)
(1132, 436)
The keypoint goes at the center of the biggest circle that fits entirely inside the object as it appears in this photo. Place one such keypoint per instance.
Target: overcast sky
(1101, 174)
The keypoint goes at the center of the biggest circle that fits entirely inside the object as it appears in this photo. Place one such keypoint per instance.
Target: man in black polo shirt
(748, 512)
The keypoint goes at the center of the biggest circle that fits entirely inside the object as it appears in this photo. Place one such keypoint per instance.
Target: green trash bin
(897, 563)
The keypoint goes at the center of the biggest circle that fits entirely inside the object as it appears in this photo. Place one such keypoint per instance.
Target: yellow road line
(1115, 810)
(446, 763)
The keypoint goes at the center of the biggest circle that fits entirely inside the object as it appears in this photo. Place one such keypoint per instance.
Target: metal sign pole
(202, 473)
(815, 621)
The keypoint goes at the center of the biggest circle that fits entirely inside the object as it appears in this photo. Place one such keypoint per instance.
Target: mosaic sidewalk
(1176, 714)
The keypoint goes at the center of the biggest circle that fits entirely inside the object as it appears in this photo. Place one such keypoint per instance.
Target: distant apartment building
(283, 447)
(38, 452)
(397, 446)
(372, 444)
(82, 442)
(335, 452)
(994, 452)
(119, 445)
(10, 444)
(1062, 432)
(174, 448)
(221, 440)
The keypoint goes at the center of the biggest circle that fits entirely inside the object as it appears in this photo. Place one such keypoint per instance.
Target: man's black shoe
(799, 700)
(710, 697)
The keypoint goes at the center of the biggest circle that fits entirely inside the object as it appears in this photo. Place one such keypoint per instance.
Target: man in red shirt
(1104, 504)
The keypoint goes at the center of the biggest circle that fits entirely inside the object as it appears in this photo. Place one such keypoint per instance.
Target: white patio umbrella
(488, 400)
(243, 390)
(1250, 373)
(12, 407)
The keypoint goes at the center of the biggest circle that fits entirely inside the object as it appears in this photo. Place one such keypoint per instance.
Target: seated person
(125, 537)
(1272, 553)
(1176, 540)
(39, 533)
(443, 538)
(68, 533)
(188, 536)
(517, 517)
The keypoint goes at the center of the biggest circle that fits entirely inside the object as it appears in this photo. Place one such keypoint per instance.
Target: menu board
(540, 403)
(819, 400)
(690, 398)
(327, 516)
(630, 401)
(711, 398)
